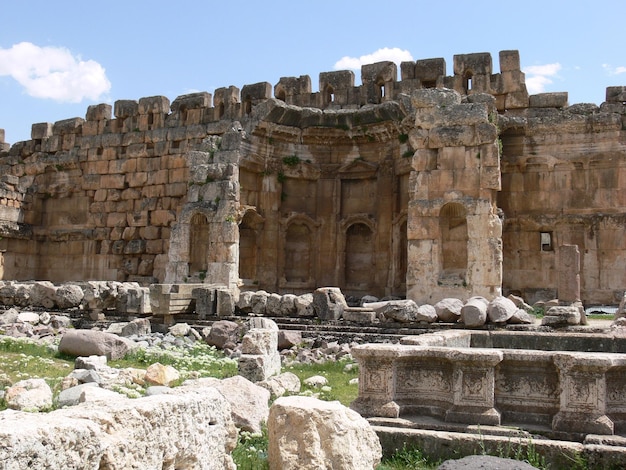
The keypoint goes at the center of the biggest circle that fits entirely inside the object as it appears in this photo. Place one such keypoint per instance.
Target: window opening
(546, 241)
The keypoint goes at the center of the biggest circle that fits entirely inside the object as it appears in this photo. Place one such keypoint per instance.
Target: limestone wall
(563, 174)
(390, 187)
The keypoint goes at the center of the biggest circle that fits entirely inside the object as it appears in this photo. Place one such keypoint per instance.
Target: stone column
(569, 274)
(474, 388)
(582, 394)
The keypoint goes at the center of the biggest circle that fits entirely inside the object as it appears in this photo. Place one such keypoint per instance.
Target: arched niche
(454, 238)
(249, 227)
(298, 266)
(199, 239)
(359, 256)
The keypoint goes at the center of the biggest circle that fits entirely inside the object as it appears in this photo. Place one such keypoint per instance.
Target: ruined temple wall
(454, 232)
(101, 194)
(563, 180)
(322, 202)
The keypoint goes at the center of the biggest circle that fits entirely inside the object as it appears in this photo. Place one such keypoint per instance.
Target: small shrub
(292, 160)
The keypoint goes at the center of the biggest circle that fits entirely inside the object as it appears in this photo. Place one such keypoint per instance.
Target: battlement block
(154, 105)
(549, 100)
(616, 94)
(226, 96)
(290, 86)
(1, 136)
(98, 112)
(41, 130)
(429, 70)
(192, 101)
(509, 61)
(256, 92)
(126, 108)
(385, 71)
(67, 126)
(340, 80)
(478, 64)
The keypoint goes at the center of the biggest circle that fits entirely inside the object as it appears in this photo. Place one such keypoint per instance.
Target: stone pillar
(474, 389)
(582, 394)
(569, 274)
(376, 381)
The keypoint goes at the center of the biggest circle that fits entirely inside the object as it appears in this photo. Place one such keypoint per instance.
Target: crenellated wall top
(472, 73)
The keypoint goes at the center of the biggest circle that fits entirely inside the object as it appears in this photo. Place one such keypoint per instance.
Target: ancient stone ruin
(425, 187)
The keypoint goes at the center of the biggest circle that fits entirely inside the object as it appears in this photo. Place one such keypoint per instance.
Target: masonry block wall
(427, 187)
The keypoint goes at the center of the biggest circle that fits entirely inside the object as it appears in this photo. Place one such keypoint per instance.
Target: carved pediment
(358, 169)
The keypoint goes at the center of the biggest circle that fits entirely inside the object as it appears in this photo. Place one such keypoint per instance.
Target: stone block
(299, 430)
(259, 367)
(616, 94)
(549, 100)
(42, 130)
(154, 105)
(98, 112)
(509, 61)
(329, 303)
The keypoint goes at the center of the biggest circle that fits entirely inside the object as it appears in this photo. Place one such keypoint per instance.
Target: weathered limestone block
(449, 310)
(474, 312)
(329, 303)
(223, 332)
(306, 433)
(426, 313)
(404, 311)
(68, 296)
(287, 382)
(189, 428)
(549, 100)
(562, 316)
(259, 367)
(94, 343)
(249, 402)
(304, 305)
(430, 97)
(29, 395)
(260, 341)
(583, 394)
(501, 309)
(42, 294)
(158, 374)
(41, 130)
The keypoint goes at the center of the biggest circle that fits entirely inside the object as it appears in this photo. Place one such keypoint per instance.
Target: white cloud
(394, 54)
(53, 72)
(538, 77)
(614, 70)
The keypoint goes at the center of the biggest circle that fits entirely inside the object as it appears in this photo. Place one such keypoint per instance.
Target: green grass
(406, 459)
(338, 380)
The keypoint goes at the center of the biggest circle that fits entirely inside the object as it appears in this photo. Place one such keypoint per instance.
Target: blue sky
(57, 58)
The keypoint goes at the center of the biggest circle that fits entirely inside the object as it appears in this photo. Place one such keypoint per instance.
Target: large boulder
(307, 434)
(42, 294)
(187, 428)
(223, 332)
(329, 303)
(68, 296)
(94, 343)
